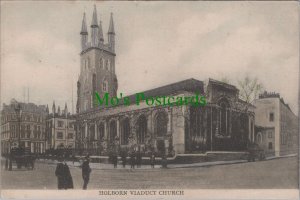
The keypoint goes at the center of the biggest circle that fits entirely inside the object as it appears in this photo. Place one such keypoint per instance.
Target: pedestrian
(64, 178)
(132, 160)
(115, 160)
(86, 170)
(152, 160)
(138, 159)
(123, 157)
(164, 161)
(6, 162)
(73, 158)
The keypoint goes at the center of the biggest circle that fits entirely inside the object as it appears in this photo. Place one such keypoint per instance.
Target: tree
(249, 89)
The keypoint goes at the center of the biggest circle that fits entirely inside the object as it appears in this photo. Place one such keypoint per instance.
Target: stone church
(225, 123)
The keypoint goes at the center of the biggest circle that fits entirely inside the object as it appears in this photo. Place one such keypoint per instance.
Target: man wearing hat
(86, 170)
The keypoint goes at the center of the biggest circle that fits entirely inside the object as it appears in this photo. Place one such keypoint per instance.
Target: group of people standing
(135, 159)
(64, 177)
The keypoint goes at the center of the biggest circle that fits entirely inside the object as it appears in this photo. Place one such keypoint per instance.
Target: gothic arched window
(101, 63)
(224, 117)
(100, 131)
(141, 129)
(125, 131)
(105, 86)
(112, 131)
(161, 127)
(108, 65)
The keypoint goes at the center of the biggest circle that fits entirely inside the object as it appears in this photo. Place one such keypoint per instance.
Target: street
(277, 173)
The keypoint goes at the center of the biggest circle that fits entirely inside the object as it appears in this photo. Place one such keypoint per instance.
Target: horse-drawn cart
(22, 157)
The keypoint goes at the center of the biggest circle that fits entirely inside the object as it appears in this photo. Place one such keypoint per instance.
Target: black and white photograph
(149, 99)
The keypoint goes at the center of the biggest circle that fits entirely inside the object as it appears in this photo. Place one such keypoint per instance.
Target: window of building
(125, 131)
(270, 145)
(60, 123)
(59, 135)
(101, 63)
(104, 87)
(70, 135)
(86, 63)
(271, 117)
(141, 131)
(270, 134)
(106, 65)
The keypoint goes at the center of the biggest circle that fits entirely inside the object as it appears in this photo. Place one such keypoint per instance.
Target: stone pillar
(169, 121)
(105, 130)
(86, 130)
(96, 131)
(32, 147)
(178, 129)
(149, 124)
(118, 127)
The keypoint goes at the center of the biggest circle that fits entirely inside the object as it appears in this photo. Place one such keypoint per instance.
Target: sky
(157, 43)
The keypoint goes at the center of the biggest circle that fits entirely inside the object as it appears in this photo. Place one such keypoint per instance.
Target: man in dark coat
(86, 170)
(115, 160)
(123, 157)
(138, 159)
(152, 160)
(64, 178)
(132, 159)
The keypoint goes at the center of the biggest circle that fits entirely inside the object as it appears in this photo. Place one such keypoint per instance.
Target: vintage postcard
(149, 100)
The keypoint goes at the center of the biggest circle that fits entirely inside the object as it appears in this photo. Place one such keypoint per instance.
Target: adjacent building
(23, 125)
(60, 130)
(273, 115)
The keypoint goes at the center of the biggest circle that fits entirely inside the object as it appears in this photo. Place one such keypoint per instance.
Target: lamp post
(10, 156)
(18, 112)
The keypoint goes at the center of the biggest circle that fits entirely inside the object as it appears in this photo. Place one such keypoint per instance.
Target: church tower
(97, 64)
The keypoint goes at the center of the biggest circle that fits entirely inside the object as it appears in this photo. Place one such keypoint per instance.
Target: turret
(47, 109)
(58, 111)
(94, 28)
(111, 33)
(53, 108)
(100, 33)
(84, 33)
(66, 110)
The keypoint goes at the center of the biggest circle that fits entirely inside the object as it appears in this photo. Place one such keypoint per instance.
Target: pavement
(103, 166)
(269, 174)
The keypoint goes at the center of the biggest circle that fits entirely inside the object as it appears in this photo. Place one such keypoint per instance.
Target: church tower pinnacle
(84, 33)
(94, 28)
(100, 33)
(111, 33)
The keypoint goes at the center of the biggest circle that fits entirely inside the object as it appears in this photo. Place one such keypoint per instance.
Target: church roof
(189, 85)
(220, 83)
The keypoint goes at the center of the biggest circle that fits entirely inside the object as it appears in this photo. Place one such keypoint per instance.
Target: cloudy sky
(156, 43)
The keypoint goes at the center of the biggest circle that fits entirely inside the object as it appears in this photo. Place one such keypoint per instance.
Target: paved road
(277, 173)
